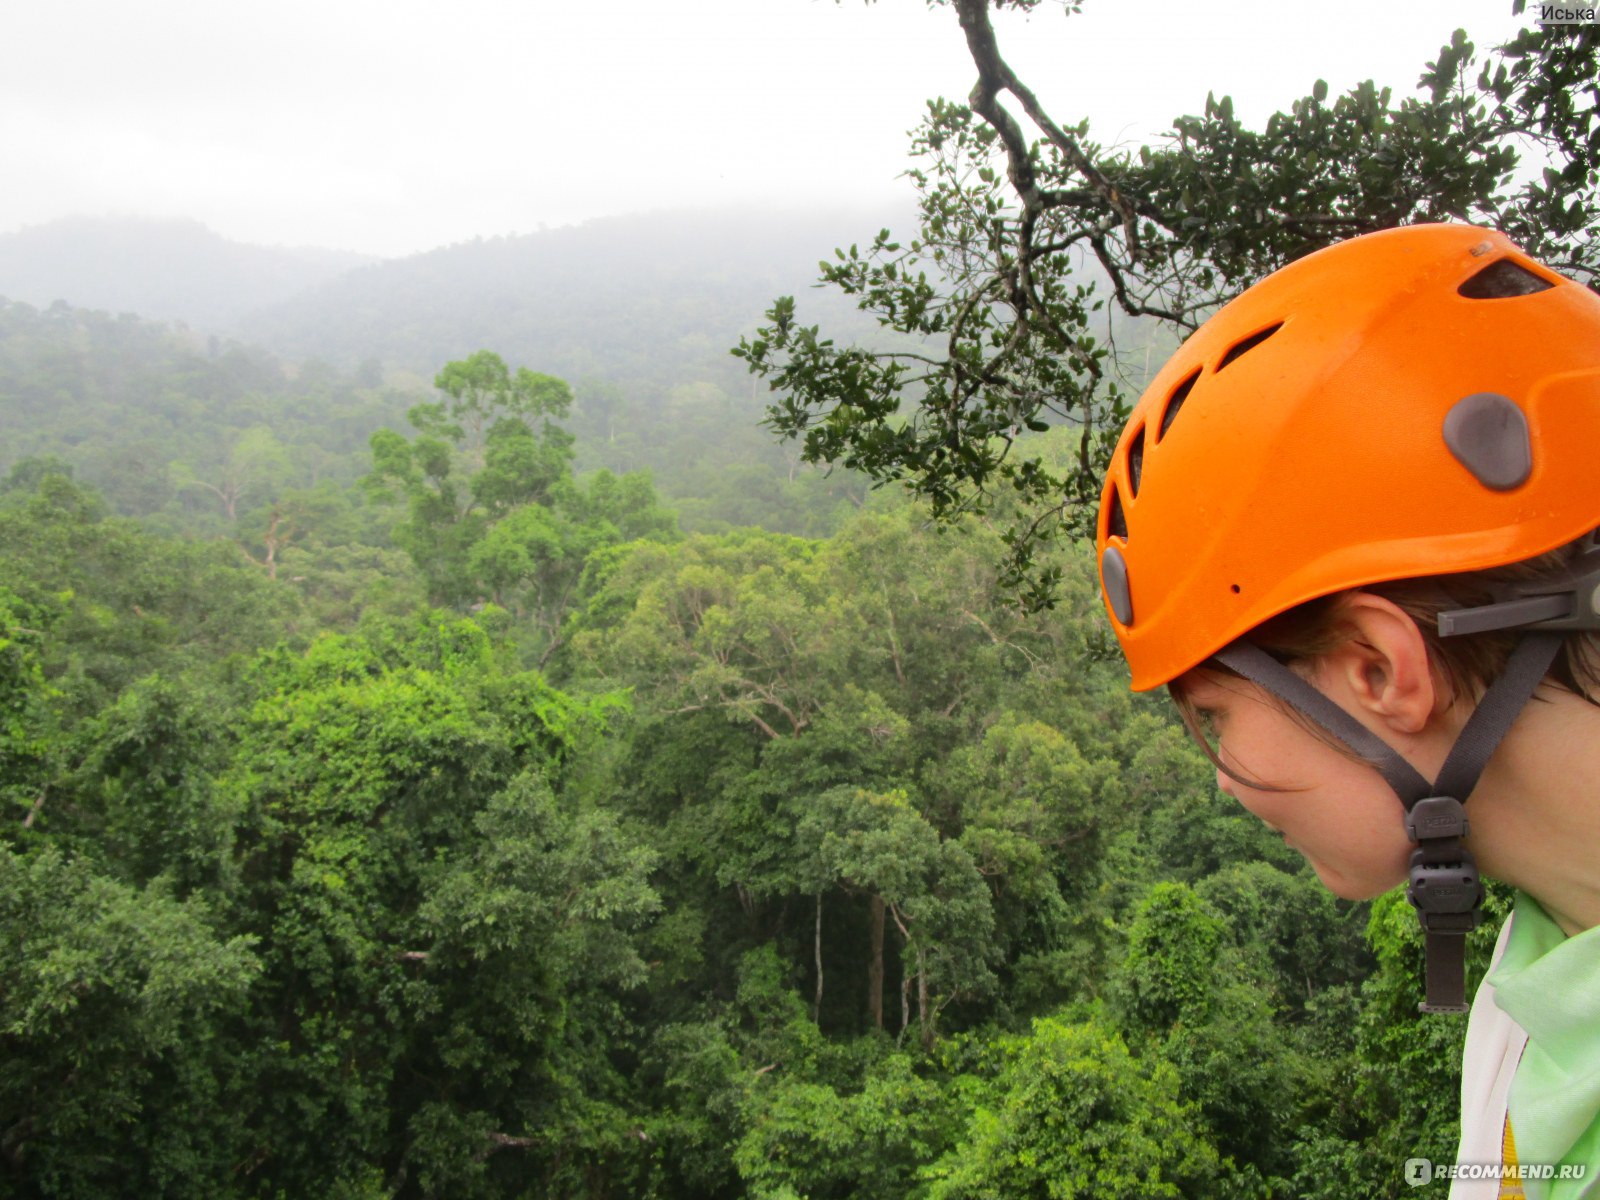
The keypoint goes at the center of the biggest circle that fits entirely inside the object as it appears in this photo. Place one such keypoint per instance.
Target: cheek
(1261, 744)
(1263, 766)
(1338, 813)
(1364, 871)
(1270, 808)
(1262, 805)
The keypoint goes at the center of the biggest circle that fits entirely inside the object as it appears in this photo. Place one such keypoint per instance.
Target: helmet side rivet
(1114, 575)
(1488, 435)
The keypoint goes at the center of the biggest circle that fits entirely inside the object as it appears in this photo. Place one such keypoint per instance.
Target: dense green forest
(438, 771)
(637, 313)
(430, 814)
(212, 437)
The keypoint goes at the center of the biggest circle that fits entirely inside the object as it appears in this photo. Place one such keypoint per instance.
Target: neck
(1536, 812)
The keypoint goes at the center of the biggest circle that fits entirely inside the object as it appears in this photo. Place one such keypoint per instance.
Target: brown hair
(1462, 666)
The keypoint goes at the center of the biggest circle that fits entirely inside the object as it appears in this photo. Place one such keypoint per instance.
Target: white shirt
(1488, 1064)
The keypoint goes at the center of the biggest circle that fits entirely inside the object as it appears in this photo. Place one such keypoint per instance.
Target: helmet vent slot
(1179, 395)
(1503, 279)
(1135, 463)
(1250, 343)
(1116, 522)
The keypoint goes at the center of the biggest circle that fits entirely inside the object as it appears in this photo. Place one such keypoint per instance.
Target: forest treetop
(1028, 230)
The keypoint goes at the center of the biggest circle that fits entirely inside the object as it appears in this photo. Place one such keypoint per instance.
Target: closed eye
(1209, 720)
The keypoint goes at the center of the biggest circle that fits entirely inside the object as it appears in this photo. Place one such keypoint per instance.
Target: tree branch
(994, 76)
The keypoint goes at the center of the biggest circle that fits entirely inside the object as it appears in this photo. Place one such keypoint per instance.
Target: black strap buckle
(1444, 888)
(1447, 896)
(1436, 817)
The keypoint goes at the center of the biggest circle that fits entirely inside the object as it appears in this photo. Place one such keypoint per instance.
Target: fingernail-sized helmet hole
(1116, 523)
(1135, 462)
(1246, 344)
(1179, 395)
(1503, 279)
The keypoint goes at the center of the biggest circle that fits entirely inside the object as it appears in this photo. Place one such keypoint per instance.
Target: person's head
(1385, 444)
(1377, 653)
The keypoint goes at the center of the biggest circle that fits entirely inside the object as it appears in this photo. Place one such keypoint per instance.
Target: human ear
(1381, 669)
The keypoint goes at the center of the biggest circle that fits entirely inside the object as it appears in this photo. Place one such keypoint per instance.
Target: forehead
(1207, 686)
(1198, 681)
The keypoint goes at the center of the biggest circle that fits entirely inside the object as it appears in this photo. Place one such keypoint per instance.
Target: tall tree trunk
(816, 1008)
(924, 1017)
(875, 962)
(905, 975)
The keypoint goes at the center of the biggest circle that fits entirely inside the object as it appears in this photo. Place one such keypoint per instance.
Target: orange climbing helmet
(1414, 402)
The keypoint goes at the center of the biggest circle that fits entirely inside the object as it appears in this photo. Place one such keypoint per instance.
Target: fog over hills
(620, 298)
(638, 313)
(166, 269)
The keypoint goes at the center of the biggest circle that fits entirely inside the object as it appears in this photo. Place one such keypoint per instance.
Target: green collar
(1550, 985)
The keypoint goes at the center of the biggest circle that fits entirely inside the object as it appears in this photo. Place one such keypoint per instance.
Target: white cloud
(396, 125)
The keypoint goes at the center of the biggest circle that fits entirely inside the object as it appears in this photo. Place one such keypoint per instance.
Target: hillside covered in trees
(453, 823)
(166, 270)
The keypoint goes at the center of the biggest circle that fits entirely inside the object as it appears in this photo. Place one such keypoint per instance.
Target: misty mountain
(638, 313)
(163, 269)
(626, 299)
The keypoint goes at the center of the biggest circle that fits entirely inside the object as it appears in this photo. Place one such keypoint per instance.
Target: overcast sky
(394, 126)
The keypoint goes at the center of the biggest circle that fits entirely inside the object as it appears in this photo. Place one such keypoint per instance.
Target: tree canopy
(437, 819)
(1031, 235)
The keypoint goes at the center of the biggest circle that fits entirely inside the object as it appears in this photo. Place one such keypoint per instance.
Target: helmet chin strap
(1444, 886)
